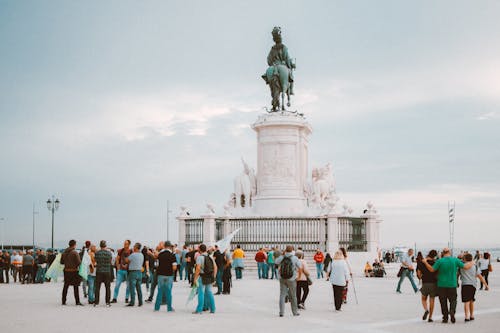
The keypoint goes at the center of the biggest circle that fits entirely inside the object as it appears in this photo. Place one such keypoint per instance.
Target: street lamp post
(52, 206)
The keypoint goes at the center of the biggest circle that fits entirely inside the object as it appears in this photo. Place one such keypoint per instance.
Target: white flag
(224, 243)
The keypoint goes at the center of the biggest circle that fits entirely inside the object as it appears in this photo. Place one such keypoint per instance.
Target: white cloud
(392, 91)
(488, 116)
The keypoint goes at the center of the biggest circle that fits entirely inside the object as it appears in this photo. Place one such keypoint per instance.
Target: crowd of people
(205, 268)
(440, 275)
(25, 266)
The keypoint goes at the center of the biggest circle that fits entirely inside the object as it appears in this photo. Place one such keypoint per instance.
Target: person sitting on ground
(368, 270)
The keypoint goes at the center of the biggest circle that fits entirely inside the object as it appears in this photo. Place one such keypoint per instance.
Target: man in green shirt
(447, 281)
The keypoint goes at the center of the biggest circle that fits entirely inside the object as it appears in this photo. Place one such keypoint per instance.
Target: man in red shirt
(318, 259)
(260, 258)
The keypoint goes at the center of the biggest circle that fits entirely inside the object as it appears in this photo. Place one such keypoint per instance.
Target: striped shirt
(103, 261)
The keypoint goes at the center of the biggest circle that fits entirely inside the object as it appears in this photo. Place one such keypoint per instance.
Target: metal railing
(219, 229)
(308, 233)
(194, 231)
(352, 233)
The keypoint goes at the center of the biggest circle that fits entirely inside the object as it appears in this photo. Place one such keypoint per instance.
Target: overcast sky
(118, 106)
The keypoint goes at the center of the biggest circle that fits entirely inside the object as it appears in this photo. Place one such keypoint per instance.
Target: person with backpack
(288, 267)
(204, 277)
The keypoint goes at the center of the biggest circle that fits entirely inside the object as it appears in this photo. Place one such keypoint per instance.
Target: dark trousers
(337, 295)
(302, 291)
(189, 272)
(485, 274)
(70, 279)
(106, 279)
(226, 280)
(27, 274)
(447, 295)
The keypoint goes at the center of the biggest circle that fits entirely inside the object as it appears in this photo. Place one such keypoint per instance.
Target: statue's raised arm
(279, 74)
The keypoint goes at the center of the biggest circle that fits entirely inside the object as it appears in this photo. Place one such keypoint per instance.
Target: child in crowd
(469, 282)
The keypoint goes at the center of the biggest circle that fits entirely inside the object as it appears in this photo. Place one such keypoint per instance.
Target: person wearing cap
(167, 265)
(102, 260)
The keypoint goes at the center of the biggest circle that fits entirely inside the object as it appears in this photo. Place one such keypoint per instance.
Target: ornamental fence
(310, 233)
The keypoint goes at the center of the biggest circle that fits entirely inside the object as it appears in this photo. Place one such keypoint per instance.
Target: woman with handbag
(303, 282)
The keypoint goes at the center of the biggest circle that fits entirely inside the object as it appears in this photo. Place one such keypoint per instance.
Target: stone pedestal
(332, 225)
(181, 220)
(282, 158)
(209, 229)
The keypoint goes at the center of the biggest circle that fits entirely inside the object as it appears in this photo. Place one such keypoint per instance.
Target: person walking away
(405, 271)
(302, 282)
(219, 261)
(270, 263)
(121, 271)
(226, 276)
(429, 285)
(447, 269)
(288, 266)
(71, 261)
(469, 284)
(260, 258)
(103, 259)
(326, 263)
(484, 266)
(318, 259)
(238, 264)
(91, 277)
(338, 274)
(167, 265)
(135, 261)
(204, 276)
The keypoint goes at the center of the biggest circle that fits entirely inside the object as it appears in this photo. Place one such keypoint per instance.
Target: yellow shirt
(238, 254)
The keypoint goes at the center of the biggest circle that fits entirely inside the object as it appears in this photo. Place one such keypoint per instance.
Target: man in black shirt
(429, 284)
(167, 265)
(190, 263)
(219, 261)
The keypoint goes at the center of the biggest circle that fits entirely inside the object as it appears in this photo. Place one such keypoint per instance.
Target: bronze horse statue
(279, 74)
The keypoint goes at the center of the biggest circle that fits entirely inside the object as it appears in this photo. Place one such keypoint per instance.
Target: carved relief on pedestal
(278, 165)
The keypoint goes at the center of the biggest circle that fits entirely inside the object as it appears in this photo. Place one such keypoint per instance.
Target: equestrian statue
(279, 74)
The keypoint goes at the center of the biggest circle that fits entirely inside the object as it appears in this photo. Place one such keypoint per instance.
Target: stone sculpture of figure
(279, 74)
(323, 184)
(210, 209)
(245, 187)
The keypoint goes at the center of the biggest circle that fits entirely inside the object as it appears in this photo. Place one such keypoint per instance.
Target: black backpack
(207, 277)
(286, 268)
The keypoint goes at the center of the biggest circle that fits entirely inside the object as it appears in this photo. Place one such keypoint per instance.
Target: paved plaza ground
(251, 307)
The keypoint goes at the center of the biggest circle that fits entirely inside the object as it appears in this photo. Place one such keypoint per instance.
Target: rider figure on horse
(277, 58)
